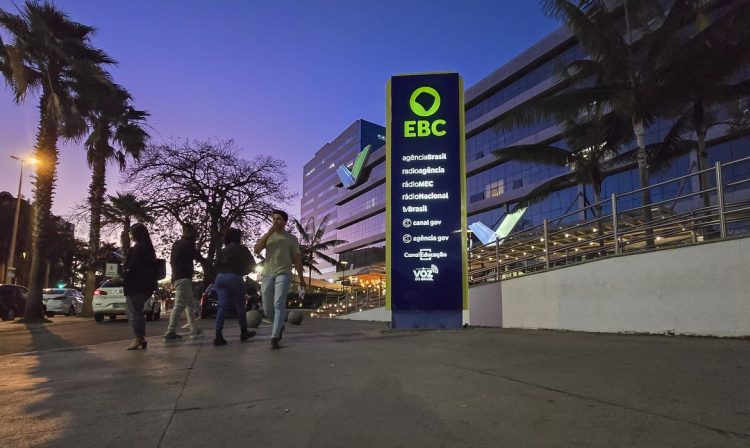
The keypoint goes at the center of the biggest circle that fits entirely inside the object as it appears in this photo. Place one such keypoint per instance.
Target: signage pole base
(427, 319)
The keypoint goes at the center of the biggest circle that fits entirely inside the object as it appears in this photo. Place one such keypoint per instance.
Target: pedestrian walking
(140, 277)
(282, 251)
(234, 261)
(181, 260)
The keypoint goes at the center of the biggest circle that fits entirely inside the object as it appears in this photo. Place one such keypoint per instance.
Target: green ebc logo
(417, 108)
(424, 128)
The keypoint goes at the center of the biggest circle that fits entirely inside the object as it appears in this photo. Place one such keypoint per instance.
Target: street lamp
(10, 270)
(343, 278)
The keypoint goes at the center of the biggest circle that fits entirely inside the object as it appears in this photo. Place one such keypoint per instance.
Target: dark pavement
(344, 384)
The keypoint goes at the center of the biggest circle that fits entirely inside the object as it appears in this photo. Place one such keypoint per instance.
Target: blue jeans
(230, 289)
(275, 289)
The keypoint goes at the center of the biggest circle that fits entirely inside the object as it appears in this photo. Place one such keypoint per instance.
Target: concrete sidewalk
(346, 384)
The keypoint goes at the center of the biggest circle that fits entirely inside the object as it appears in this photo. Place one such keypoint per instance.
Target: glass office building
(493, 187)
(321, 185)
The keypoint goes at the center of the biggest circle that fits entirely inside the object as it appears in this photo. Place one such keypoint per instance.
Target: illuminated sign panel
(426, 205)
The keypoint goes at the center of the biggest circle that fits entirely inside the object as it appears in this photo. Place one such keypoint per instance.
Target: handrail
(733, 162)
(547, 245)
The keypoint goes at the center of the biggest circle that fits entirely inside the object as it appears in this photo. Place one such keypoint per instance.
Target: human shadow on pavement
(97, 395)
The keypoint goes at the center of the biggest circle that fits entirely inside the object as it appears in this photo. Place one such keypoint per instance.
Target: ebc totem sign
(426, 201)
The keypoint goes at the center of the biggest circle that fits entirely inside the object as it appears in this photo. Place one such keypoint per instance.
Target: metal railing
(620, 225)
(353, 301)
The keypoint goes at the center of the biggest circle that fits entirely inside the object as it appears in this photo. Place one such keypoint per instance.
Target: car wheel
(9, 315)
(98, 317)
(149, 316)
(49, 314)
(72, 311)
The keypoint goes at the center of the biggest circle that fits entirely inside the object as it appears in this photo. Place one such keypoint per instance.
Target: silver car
(65, 301)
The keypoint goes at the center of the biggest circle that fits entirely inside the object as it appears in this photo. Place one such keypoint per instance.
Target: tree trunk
(125, 239)
(46, 152)
(96, 200)
(214, 246)
(47, 267)
(596, 185)
(699, 123)
(309, 276)
(642, 157)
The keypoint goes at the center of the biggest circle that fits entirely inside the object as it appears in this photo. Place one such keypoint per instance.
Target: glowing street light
(10, 270)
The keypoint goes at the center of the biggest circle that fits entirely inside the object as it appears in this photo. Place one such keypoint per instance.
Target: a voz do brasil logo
(424, 128)
(350, 179)
(425, 274)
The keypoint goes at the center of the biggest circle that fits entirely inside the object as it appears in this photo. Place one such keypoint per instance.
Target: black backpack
(161, 269)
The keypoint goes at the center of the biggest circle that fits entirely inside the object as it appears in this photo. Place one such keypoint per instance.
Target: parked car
(209, 303)
(109, 300)
(12, 301)
(62, 301)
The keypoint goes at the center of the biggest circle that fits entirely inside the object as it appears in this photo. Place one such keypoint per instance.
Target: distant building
(323, 193)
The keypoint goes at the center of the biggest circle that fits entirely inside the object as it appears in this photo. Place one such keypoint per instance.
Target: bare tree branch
(208, 184)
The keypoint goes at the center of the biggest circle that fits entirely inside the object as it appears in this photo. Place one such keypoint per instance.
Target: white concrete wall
(702, 290)
(375, 315)
(486, 305)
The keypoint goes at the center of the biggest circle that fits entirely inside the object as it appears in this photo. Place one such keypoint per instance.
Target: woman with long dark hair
(140, 276)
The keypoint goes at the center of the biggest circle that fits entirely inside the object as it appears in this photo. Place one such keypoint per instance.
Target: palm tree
(722, 45)
(51, 54)
(626, 70)
(124, 209)
(591, 150)
(113, 121)
(312, 244)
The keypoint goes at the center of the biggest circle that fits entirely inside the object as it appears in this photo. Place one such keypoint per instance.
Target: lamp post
(10, 270)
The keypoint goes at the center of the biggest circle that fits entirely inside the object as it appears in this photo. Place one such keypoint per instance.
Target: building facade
(321, 185)
(494, 187)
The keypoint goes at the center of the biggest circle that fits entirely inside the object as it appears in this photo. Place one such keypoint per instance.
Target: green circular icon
(418, 108)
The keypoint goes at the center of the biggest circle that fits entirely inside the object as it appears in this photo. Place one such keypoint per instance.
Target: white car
(66, 301)
(109, 300)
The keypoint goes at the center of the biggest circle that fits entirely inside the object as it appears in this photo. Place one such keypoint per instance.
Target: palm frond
(544, 189)
(545, 154)
(562, 105)
(326, 258)
(594, 27)
(330, 244)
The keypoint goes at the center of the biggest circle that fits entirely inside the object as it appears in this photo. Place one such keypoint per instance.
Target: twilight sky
(281, 77)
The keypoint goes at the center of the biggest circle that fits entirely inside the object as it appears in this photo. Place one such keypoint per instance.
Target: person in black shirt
(232, 263)
(140, 277)
(181, 261)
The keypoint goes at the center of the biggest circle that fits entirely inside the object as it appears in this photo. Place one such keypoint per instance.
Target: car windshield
(112, 283)
(53, 291)
(6, 290)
